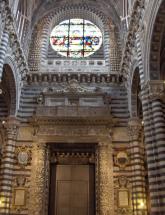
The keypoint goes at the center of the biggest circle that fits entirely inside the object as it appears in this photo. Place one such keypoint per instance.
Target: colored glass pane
(76, 38)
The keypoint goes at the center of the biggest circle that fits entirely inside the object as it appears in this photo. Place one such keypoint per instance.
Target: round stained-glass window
(76, 38)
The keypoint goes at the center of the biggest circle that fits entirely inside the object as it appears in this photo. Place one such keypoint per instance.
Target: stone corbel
(156, 90)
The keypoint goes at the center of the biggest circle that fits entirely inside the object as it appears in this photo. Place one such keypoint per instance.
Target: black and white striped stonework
(3, 50)
(6, 171)
(154, 129)
(140, 60)
(138, 174)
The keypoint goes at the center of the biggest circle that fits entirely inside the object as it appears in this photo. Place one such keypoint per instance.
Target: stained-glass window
(76, 38)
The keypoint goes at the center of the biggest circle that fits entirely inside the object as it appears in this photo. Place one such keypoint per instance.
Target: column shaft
(106, 186)
(7, 168)
(159, 157)
(38, 180)
(138, 170)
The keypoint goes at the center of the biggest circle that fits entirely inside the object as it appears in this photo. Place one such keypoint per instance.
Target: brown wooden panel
(74, 192)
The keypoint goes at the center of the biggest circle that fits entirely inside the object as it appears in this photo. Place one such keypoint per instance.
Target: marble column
(7, 165)
(38, 191)
(105, 182)
(156, 147)
(137, 165)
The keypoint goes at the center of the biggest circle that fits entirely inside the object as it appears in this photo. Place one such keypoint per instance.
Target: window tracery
(76, 38)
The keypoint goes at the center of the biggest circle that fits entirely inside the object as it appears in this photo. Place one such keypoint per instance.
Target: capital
(156, 90)
(11, 122)
(134, 127)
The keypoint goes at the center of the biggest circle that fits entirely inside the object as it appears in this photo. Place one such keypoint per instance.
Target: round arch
(136, 105)
(43, 28)
(8, 92)
(154, 32)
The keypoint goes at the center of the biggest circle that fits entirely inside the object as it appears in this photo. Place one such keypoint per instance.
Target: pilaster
(7, 165)
(106, 185)
(38, 180)
(137, 164)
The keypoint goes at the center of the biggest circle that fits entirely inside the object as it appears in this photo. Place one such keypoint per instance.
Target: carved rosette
(134, 128)
(106, 186)
(37, 189)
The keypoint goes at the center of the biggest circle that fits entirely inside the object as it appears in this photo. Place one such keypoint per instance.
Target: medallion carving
(23, 155)
(122, 159)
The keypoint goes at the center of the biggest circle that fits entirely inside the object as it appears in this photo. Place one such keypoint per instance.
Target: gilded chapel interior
(82, 107)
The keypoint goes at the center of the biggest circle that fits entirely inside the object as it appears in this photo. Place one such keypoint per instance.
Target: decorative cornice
(66, 77)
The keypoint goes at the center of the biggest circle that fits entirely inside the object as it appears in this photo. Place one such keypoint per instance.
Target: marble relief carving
(104, 175)
(38, 180)
(23, 156)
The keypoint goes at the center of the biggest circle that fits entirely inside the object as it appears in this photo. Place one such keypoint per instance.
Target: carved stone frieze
(74, 131)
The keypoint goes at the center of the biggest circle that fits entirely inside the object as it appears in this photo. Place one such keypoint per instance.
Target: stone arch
(153, 40)
(42, 30)
(55, 18)
(136, 106)
(162, 57)
(102, 10)
(8, 92)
